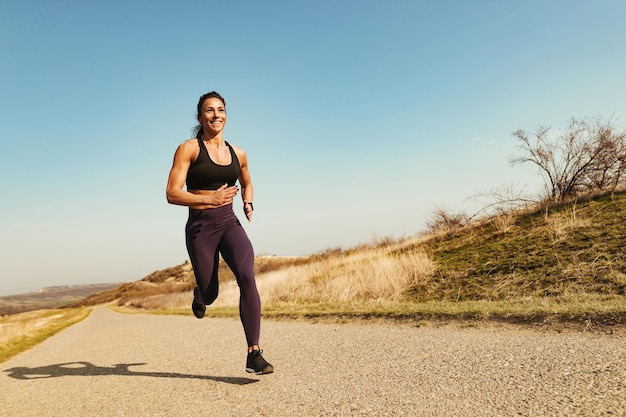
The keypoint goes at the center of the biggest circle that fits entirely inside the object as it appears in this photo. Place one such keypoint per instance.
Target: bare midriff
(204, 206)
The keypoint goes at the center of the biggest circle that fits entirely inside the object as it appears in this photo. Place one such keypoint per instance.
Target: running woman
(210, 167)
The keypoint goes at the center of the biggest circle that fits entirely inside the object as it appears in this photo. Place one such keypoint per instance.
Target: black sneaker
(257, 365)
(198, 309)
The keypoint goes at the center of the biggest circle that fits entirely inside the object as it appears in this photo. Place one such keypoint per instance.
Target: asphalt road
(115, 364)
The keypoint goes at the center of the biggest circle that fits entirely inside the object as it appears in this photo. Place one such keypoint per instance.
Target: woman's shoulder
(240, 152)
(192, 141)
(188, 147)
(189, 144)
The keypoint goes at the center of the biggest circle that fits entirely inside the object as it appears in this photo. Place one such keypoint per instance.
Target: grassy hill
(563, 263)
(569, 250)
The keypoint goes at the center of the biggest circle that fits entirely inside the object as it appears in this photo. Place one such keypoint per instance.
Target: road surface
(115, 364)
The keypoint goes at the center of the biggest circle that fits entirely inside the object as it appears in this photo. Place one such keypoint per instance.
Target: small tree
(586, 156)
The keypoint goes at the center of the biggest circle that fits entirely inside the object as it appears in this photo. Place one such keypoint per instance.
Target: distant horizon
(62, 287)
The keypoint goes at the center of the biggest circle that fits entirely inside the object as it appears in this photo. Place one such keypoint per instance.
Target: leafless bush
(444, 221)
(588, 155)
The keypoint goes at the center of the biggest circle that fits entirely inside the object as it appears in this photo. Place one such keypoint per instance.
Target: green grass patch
(590, 306)
(583, 310)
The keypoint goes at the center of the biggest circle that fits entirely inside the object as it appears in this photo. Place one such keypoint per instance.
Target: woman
(210, 167)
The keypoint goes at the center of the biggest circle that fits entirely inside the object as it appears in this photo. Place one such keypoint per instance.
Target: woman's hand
(248, 208)
(224, 195)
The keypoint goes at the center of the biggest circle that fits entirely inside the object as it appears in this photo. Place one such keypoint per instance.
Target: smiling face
(212, 116)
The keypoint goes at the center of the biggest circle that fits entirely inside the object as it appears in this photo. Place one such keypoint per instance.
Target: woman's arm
(175, 193)
(247, 190)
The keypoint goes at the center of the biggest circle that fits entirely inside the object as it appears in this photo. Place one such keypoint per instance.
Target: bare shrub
(441, 220)
(588, 155)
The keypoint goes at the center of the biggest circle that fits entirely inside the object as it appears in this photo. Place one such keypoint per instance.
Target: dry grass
(369, 273)
(22, 331)
(561, 223)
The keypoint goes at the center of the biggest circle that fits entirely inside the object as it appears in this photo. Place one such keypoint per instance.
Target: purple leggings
(218, 230)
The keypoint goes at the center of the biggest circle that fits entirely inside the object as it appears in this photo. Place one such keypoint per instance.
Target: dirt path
(141, 365)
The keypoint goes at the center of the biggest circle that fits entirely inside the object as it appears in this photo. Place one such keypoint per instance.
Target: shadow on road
(89, 369)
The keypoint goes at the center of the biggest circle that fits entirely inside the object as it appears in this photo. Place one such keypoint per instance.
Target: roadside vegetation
(22, 331)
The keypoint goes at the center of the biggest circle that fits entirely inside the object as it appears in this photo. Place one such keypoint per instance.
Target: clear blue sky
(359, 117)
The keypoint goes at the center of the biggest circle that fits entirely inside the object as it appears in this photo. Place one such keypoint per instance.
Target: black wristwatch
(250, 204)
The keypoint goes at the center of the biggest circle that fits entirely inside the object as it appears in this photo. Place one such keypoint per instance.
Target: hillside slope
(571, 249)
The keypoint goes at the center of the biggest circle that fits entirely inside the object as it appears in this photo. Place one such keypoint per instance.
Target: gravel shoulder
(115, 364)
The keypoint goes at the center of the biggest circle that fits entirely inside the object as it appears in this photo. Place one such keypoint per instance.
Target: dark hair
(198, 131)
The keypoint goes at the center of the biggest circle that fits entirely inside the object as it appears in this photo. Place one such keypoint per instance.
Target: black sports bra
(204, 174)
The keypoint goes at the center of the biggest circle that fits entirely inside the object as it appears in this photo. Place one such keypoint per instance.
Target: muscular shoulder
(190, 143)
(241, 154)
(188, 148)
